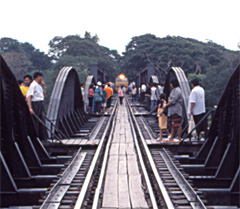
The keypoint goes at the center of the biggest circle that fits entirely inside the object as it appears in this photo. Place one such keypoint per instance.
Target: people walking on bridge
(153, 98)
(90, 97)
(35, 97)
(27, 81)
(104, 99)
(162, 116)
(159, 91)
(109, 91)
(98, 97)
(142, 92)
(196, 106)
(121, 94)
(147, 100)
(82, 90)
(175, 110)
(134, 93)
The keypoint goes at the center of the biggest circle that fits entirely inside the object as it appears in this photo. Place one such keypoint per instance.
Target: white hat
(99, 83)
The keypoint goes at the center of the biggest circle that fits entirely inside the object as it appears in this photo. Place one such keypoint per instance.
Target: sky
(117, 21)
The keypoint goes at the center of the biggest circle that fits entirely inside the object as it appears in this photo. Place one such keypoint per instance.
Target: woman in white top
(134, 93)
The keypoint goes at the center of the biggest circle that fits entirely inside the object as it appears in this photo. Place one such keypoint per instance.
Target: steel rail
(186, 188)
(147, 127)
(166, 198)
(61, 187)
(96, 128)
(88, 178)
(104, 166)
(146, 176)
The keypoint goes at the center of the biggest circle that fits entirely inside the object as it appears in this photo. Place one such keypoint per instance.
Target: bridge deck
(123, 184)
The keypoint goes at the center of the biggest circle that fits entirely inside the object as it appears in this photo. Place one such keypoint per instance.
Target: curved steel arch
(66, 110)
(153, 79)
(178, 73)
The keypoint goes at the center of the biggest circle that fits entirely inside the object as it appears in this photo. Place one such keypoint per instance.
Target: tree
(76, 47)
(23, 57)
(18, 62)
(192, 55)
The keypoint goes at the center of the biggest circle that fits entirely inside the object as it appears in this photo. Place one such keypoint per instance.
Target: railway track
(80, 176)
(81, 182)
(173, 189)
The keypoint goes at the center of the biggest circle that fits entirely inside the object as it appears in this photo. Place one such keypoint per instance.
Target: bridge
(114, 160)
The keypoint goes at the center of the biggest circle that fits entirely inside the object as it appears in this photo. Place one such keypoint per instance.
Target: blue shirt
(98, 94)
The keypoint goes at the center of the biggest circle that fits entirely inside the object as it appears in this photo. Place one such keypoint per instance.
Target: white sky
(116, 22)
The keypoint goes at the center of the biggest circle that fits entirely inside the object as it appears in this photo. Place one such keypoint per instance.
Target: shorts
(109, 101)
(90, 99)
(175, 121)
(104, 104)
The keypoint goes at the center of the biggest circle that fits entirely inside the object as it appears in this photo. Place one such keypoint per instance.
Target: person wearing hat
(98, 97)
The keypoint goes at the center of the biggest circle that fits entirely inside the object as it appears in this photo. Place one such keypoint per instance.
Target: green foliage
(76, 62)
(209, 62)
(192, 55)
(84, 51)
(23, 57)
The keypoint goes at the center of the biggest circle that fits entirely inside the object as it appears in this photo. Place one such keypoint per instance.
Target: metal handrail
(57, 129)
(198, 124)
(57, 138)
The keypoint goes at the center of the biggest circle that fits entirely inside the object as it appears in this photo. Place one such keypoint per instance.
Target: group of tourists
(100, 98)
(170, 110)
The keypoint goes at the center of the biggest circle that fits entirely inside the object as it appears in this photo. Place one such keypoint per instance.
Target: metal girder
(98, 73)
(23, 156)
(145, 75)
(65, 103)
(216, 166)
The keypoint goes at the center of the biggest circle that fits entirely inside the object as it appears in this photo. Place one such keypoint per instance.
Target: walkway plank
(114, 149)
(112, 164)
(123, 183)
(122, 166)
(110, 197)
(123, 199)
(136, 193)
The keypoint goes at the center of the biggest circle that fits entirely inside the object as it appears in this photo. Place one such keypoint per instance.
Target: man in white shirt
(35, 97)
(82, 90)
(142, 94)
(196, 105)
(153, 97)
